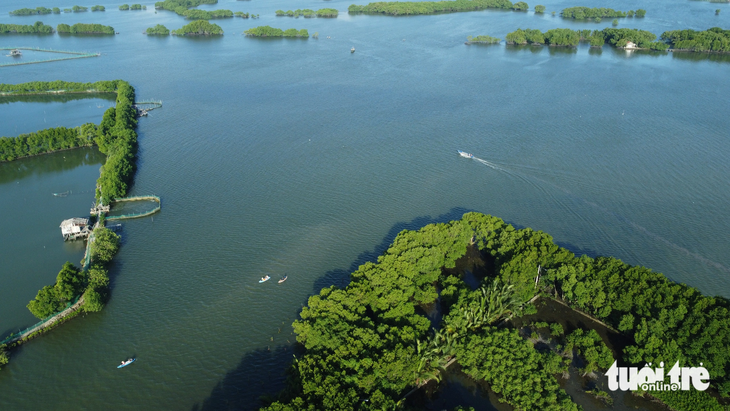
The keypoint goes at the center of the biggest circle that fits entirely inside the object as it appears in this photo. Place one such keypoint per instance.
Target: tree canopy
(199, 28)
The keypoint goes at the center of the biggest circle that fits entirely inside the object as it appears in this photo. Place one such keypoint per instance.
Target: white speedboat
(465, 154)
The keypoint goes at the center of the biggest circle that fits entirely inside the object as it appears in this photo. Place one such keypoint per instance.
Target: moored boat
(465, 154)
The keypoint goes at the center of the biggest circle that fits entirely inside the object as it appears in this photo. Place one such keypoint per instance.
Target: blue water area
(296, 157)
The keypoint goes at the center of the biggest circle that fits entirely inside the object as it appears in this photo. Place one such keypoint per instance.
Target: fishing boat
(283, 279)
(264, 279)
(352, 50)
(465, 154)
(126, 362)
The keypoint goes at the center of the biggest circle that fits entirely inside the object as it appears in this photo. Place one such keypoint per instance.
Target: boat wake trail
(540, 184)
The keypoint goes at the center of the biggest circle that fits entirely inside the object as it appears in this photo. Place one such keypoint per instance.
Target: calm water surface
(298, 158)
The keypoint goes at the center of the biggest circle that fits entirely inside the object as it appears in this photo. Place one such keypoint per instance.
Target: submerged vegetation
(369, 341)
(199, 28)
(428, 7)
(81, 28)
(37, 28)
(268, 31)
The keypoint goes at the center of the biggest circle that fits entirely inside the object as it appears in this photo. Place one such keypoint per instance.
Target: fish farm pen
(72, 55)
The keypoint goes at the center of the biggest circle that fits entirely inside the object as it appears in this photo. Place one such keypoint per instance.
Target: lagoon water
(295, 157)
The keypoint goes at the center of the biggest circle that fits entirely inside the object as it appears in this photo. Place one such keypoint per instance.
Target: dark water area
(300, 158)
(65, 110)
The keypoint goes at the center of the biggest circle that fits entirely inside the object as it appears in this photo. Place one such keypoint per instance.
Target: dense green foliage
(158, 30)
(29, 12)
(182, 8)
(368, 341)
(640, 13)
(567, 37)
(296, 13)
(514, 369)
(668, 321)
(483, 40)
(554, 37)
(207, 15)
(46, 141)
(539, 9)
(104, 246)
(77, 9)
(98, 8)
(268, 31)
(689, 400)
(327, 13)
(53, 298)
(642, 38)
(714, 39)
(520, 6)
(81, 28)
(245, 15)
(124, 7)
(427, 7)
(117, 139)
(199, 28)
(37, 28)
(39, 87)
(591, 348)
(581, 13)
(135, 7)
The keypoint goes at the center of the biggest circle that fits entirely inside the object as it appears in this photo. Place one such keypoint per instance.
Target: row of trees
(714, 39)
(566, 37)
(82, 28)
(37, 28)
(40, 87)
(268, 31)
(199, 28)
(46, 141)
(37, 10)
(427, 7)
(245, 15)
(308, 13)
(125, 7)
(98, 8)
(581, 13)
(554, 37)
(117, 139)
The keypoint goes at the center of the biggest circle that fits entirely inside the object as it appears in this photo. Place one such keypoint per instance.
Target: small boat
(465, 154)
(264, 279)
(352, 50)
(126, 362)
(283, 279)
